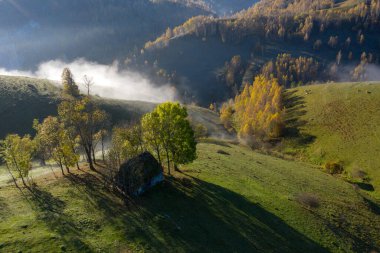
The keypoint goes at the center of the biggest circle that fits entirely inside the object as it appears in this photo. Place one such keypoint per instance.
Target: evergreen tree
(70, 89)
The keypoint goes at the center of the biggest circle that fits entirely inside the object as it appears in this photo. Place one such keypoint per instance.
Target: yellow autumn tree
(226, 114)
(257, 109)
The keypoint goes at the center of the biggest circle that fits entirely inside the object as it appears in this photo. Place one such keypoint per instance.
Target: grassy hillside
(23, 99)
(237, 201)
(337, 122)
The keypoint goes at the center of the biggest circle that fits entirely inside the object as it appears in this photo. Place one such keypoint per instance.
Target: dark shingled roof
(138, 174)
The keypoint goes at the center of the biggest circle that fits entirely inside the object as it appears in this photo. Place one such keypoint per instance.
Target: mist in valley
(109, 81)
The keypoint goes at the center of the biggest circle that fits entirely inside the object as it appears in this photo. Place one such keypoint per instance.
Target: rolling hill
(31, 98)
(230, 198)
(325, 122)
(235, 200)
(337, 122)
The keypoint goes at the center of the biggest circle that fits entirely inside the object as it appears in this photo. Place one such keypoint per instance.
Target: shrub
(222, 152)
(309, 200)
(200, 131)
(358, 173)
(334, 168)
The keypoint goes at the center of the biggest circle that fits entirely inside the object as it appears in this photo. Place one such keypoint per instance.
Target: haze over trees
(322, 41)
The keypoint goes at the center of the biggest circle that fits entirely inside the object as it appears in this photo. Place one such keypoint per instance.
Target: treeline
(281, 19)
(291, 72)
(257, 112)
(199, 25)
(309, 21)
(324, 41)
(81, 127)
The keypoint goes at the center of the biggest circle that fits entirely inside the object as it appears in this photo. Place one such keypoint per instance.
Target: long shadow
(202, 217)
(341, 229)
(3, 207)
(209, 218)
(372, 205)
(50, 210)
(295, 109)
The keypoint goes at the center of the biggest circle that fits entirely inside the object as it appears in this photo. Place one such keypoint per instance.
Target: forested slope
(340, 37)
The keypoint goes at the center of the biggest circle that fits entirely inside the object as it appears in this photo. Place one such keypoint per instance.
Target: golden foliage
(257, 111)
(226, 114)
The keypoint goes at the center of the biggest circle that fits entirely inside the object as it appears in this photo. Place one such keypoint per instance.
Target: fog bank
(109, 80)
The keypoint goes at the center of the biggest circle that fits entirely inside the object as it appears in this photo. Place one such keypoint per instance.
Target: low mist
(371, 73)
(109, 80)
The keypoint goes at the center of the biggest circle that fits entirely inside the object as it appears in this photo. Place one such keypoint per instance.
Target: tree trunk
(23, 181)
(103, 154)
(68, 169)
(20, 173)
(61, 166)
(159, 157)
(93, 155)
(168, 161)
(89, 158)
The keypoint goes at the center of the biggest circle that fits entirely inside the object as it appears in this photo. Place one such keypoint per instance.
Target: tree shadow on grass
(50, 210)
(360, 239)
(200, 217)
(208, 218)
(295, 109)
(3, 207)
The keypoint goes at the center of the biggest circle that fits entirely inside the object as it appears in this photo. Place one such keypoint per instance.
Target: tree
(127, 142)
(85, 120)
(233, 73)
(339, 57)
(55, 142)
(257, 110)
(70, 89)
(18, 153)
(152, 133)
(290, 71)
(212, 107)
(173, 133)
(317, 45)
(88, 83)
(200, 131)
(226, 114)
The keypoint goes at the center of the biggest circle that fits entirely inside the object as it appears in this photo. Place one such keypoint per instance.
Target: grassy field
(232, 200)
(337, 122)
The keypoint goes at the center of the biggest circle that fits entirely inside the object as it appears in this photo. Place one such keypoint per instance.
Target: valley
(190, 126)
